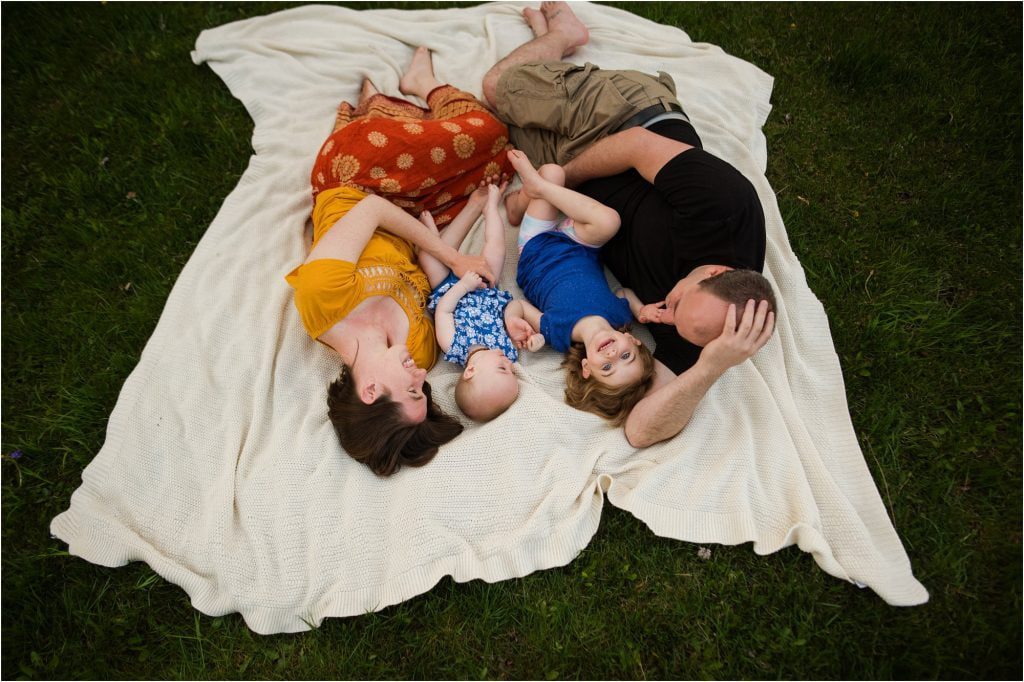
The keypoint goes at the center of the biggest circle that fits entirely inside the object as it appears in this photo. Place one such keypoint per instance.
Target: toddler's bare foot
(516, 204)
(560, 19)
(533, 183)
(419, 78)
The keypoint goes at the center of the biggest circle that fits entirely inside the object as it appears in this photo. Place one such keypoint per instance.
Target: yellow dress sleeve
(326, 290)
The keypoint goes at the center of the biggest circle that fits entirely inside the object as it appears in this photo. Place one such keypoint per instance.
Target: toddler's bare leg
(594, 223)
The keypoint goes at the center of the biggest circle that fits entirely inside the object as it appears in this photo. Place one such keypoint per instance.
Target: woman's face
(402, 381)
(612, 359)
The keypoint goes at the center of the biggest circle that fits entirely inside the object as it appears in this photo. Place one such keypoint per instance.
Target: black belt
(645, 115)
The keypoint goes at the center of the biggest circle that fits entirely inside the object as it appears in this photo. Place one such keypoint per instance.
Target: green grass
(895, 150)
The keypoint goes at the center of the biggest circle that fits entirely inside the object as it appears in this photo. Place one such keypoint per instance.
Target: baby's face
(494, 380)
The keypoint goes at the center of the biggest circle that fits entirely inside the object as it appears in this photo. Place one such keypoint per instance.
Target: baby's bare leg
(435, 270)
(494, 233)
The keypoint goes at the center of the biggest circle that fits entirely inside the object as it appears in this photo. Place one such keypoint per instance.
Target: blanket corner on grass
(221, 471)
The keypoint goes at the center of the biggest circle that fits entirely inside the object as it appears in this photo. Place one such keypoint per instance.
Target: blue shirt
(565, 280)
(479, 320)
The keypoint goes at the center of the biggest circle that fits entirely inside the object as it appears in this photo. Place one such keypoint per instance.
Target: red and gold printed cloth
(419, 159)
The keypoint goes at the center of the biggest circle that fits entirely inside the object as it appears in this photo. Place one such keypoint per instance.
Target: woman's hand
(463, 264)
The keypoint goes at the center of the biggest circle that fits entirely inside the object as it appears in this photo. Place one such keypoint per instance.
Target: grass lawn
(895, 149)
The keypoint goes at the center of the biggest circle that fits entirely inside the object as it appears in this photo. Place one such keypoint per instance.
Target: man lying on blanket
(692, 241)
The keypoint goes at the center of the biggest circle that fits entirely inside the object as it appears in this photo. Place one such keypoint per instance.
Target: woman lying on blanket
(608, 369)
(360, 290)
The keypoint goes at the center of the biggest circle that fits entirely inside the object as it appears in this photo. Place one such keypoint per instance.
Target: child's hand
(651, 312)
(520, 331)
(471, 281)
(535, 343)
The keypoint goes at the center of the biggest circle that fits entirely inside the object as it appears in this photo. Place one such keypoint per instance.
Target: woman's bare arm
(347, 238)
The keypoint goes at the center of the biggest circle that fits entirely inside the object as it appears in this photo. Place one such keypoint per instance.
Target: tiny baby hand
(535, 343)
(519, 330)
(471, 281)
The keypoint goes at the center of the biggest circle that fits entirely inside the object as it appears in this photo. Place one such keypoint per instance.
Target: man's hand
(736, 344)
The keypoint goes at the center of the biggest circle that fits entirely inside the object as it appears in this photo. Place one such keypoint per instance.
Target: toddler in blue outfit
(608, 369)
(478, 327)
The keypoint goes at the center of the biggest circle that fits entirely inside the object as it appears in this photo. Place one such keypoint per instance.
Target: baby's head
(609, 376)
(488, 385)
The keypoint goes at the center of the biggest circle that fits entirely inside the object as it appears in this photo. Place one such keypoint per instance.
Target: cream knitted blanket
(221, 471)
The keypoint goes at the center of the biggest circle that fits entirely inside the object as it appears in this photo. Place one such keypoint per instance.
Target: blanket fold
(221, 471)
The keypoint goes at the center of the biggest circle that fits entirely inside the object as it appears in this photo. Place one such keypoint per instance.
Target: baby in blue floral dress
(478, 327)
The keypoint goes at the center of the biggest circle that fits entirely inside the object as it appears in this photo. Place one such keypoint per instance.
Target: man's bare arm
(636, 148)
(667, 409)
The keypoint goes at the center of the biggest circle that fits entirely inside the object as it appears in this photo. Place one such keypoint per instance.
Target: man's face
(698, 315)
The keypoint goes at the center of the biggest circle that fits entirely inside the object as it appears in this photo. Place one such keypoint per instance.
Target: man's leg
(558, 32)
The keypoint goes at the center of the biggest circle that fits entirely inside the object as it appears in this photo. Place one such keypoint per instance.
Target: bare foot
(428, 220)
(419, 78)
(537, 21)
(516, 204)
(533, 183)
(560, 19)
(368, 90)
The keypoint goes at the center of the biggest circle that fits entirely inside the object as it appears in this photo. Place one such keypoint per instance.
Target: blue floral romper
(479, 320)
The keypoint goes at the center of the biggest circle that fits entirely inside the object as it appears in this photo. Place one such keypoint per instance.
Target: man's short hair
(740, 286)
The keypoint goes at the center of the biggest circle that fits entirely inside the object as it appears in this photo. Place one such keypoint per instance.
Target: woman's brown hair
(378, 435)
(591, 395)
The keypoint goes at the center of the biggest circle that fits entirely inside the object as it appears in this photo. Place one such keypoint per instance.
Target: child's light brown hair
(590, 395)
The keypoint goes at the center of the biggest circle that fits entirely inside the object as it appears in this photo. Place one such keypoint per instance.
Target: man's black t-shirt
(699, 211)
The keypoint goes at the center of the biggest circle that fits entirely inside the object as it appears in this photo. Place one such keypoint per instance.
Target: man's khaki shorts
(556, 109)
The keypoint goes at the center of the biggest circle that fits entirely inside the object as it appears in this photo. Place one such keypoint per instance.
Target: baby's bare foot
(561, 19)
(428, 220)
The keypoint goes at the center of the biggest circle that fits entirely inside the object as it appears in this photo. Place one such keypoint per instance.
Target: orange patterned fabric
(419, 159)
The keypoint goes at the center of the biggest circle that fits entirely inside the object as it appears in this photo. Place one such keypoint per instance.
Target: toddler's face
(612, 359)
